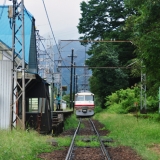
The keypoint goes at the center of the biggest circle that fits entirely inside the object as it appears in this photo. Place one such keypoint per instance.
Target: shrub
(123, 101)
(97, 109)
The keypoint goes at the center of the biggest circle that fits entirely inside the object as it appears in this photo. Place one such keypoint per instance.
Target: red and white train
(84, 104)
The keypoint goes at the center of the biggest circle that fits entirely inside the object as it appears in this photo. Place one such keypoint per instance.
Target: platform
(58, 118)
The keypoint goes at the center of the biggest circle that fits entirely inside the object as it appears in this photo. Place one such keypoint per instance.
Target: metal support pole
(143, 106)
(23, 69)
(74, 83)
(60, 72)
(18, 86)
(71, 98)
(13, 64)
(52, 93)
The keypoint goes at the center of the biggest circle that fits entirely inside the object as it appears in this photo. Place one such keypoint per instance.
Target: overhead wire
(50, 57)
(53, 35)
(43, 44)
(52, 31)
(39, 37)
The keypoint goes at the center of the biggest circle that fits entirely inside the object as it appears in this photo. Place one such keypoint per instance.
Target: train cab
(84, 104)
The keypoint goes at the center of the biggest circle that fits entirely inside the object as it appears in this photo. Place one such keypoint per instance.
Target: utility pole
(143, 106)
(71, 77)
(74, 83)
(12, 15)
(23, 69)
(60, 73)
(16, 86)
(52, 95)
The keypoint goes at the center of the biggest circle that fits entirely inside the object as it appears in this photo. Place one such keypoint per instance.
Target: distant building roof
(6, 30)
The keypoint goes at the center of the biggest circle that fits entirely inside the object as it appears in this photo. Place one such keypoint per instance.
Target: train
(84, 103)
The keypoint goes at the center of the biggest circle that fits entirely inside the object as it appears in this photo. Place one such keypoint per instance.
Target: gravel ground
(87, 153)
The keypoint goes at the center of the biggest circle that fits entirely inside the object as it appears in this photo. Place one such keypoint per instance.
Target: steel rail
(68, 157)
(104, 151)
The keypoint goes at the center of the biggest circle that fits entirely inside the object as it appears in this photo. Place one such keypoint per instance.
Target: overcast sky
(63, 15)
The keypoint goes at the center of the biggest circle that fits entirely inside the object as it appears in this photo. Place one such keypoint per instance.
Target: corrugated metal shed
(5, 93)
(6, 65)
(6, 31)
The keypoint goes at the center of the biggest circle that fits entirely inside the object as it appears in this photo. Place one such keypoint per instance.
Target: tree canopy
(104, 81)
(145, 29)
(104, 19)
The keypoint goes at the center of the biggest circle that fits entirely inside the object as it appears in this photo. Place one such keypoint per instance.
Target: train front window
(88, 98)
(79, 98)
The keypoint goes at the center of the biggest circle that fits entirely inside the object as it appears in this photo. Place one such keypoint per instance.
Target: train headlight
(84, 110)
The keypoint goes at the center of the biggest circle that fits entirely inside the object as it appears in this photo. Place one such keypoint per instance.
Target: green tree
(66, 97)
(101, 18)
(144, 25)
(104, 81)
(105, 19)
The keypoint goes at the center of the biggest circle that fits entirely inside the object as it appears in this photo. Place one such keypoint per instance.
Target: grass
(71, 122)
(126, 130)
(18, 144)
(63, 141)
(87, 141)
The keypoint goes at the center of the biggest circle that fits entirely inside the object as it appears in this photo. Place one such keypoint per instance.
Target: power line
(43, 45)
(52, 30)
(90, 40)
(39, 37)
(50, 24)
(53, 36)
(94, 67)
(46, 51)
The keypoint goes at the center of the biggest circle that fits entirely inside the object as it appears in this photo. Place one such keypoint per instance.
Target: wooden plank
(27, 75)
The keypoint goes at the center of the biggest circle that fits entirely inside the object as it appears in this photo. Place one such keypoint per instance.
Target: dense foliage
(104, 20)
(128, 100)
(144, 26)
(104, 81)
(133, 20)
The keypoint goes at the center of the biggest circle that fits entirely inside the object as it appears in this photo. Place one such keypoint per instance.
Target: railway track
(92, 153)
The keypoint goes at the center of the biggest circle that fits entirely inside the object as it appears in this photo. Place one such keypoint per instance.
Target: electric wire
(40, 38)
(52, 30)
(43, 45)
(51, 58)
(53, 34)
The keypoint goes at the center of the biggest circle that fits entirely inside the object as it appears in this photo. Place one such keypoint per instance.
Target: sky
(63, 15)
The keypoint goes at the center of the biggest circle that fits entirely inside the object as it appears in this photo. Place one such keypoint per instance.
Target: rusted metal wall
(5, 93)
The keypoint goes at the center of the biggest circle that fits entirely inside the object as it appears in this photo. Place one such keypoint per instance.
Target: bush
(98, 109)
(123, 101)
(152, 104)
(116, 108)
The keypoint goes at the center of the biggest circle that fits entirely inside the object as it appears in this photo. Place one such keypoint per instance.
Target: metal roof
(6, 31)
